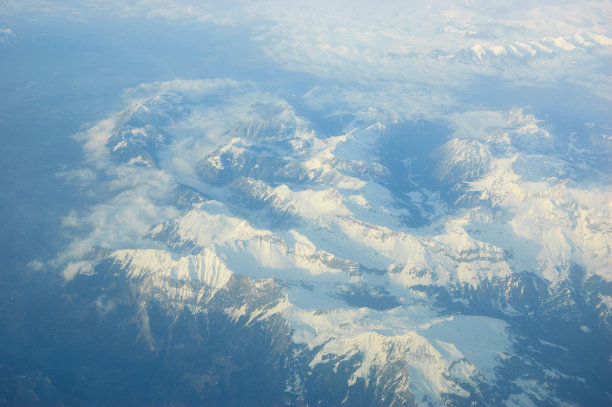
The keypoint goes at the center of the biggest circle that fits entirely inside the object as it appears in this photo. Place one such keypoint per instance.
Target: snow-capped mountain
(374, 204)
(387, 263)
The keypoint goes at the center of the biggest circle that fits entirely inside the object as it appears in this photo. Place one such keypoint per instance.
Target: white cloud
(36, 265)
(71, 221)
(139, 201)
(85, 10)
(193, 88)
(72, 269)
(6, 34)
(104, 305)
(387, 103)
(599, 84)
(95, 139)
(437, 44)
(78, 175)
(440, 45)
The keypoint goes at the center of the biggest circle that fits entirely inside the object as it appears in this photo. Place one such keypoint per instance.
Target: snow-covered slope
(407, 314)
